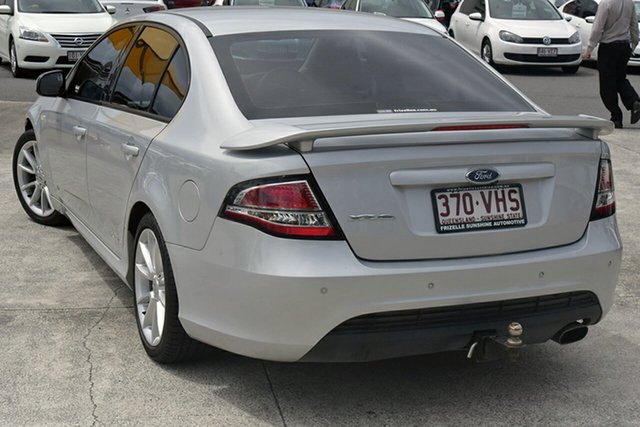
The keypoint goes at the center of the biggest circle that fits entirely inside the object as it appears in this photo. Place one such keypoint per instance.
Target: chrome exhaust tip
(571, 333)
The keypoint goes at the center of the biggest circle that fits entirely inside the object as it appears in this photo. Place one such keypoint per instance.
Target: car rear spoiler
(301, 137)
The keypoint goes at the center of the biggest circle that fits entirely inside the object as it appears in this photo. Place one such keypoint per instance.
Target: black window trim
(141, 27)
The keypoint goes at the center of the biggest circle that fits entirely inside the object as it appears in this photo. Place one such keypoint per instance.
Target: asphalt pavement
(70, 354)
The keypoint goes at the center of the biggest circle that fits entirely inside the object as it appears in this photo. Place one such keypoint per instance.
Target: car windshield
(397, 8)
(315, 73)
(59, 6)
(529, 10)
(637, 5)
(269, 3)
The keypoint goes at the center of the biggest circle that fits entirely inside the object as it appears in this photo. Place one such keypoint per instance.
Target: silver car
(294, 184)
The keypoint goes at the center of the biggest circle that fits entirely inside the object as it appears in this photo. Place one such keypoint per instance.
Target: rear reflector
(605, 200)
(286, 209)
(481, 127)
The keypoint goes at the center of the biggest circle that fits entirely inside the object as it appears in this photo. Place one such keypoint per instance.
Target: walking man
(616, 29)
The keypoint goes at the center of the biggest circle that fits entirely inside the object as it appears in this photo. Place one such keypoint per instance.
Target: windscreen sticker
(409, 110)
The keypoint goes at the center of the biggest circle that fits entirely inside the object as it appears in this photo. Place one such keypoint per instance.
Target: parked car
(410, 10)
(45, 34)
(443, 9)
(255, 202)
(529, 32)
(583, 13)
(175, 4)
(127, 8)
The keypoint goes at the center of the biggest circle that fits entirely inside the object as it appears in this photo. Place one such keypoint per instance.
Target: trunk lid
(385, 200)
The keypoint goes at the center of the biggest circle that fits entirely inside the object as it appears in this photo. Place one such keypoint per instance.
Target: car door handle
(130, 150)
(79, 132)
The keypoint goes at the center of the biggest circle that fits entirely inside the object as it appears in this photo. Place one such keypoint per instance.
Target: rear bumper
(411, 332)
(277, 299)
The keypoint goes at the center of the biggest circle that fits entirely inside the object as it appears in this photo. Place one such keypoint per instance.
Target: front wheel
(13, 61)
(30, 182)
(156, 299)
(571, 69)
(486, 53)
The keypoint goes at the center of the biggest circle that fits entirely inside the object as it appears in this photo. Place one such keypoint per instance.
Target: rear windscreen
(316, 73)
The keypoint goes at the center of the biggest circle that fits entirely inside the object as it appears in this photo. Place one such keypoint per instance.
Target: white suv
(45, 34)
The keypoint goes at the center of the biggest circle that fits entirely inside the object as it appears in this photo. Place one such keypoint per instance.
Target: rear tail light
(439, 15)
(154, 8)
(605, 200)
(286, 208)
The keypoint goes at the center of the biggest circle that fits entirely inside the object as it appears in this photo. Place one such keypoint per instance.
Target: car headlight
(33, 35)
(510, 37)
(575, 38)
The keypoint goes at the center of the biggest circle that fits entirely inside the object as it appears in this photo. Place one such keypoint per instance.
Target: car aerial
(583, 13)
(257, 203)
(127, 8)
(529, 32)
(411, 10)
(45, 34)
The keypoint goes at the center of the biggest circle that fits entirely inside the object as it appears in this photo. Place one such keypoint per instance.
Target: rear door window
(173, 87)
(143, 69)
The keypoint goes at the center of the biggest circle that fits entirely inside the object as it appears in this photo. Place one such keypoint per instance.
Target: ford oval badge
(482, 176)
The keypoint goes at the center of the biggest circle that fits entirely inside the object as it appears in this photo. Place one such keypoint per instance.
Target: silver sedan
(295, 184)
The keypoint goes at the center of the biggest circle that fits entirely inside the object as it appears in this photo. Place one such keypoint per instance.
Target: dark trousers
(612, 68)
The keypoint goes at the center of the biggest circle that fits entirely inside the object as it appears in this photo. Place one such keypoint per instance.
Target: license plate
(547, 51)
(74, 55)
(464, 209)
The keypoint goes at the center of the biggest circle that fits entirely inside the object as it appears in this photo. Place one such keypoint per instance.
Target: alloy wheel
(150, 289)
(486, 53)
(13, 59)
(32, 181)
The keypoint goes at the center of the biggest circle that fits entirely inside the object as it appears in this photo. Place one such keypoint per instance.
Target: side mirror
(590, 19)
(439, 15)
(6, 10)
(110, 9)
(50, 83)
(567, 17)
(476, 16)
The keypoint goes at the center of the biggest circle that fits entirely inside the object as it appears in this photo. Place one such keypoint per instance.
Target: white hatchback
(530, 32)
(45, 34)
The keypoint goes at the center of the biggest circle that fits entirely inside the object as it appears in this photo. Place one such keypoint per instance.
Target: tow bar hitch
(487, 345)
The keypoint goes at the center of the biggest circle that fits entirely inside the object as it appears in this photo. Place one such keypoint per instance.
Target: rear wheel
(156, 298)
(13, 61)
(30, 182)
(570, 70)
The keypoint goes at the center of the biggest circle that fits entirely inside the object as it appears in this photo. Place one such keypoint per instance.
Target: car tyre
(155, 298)
(30, 182)
(571, 69)
(486, 52)
(13, 61)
